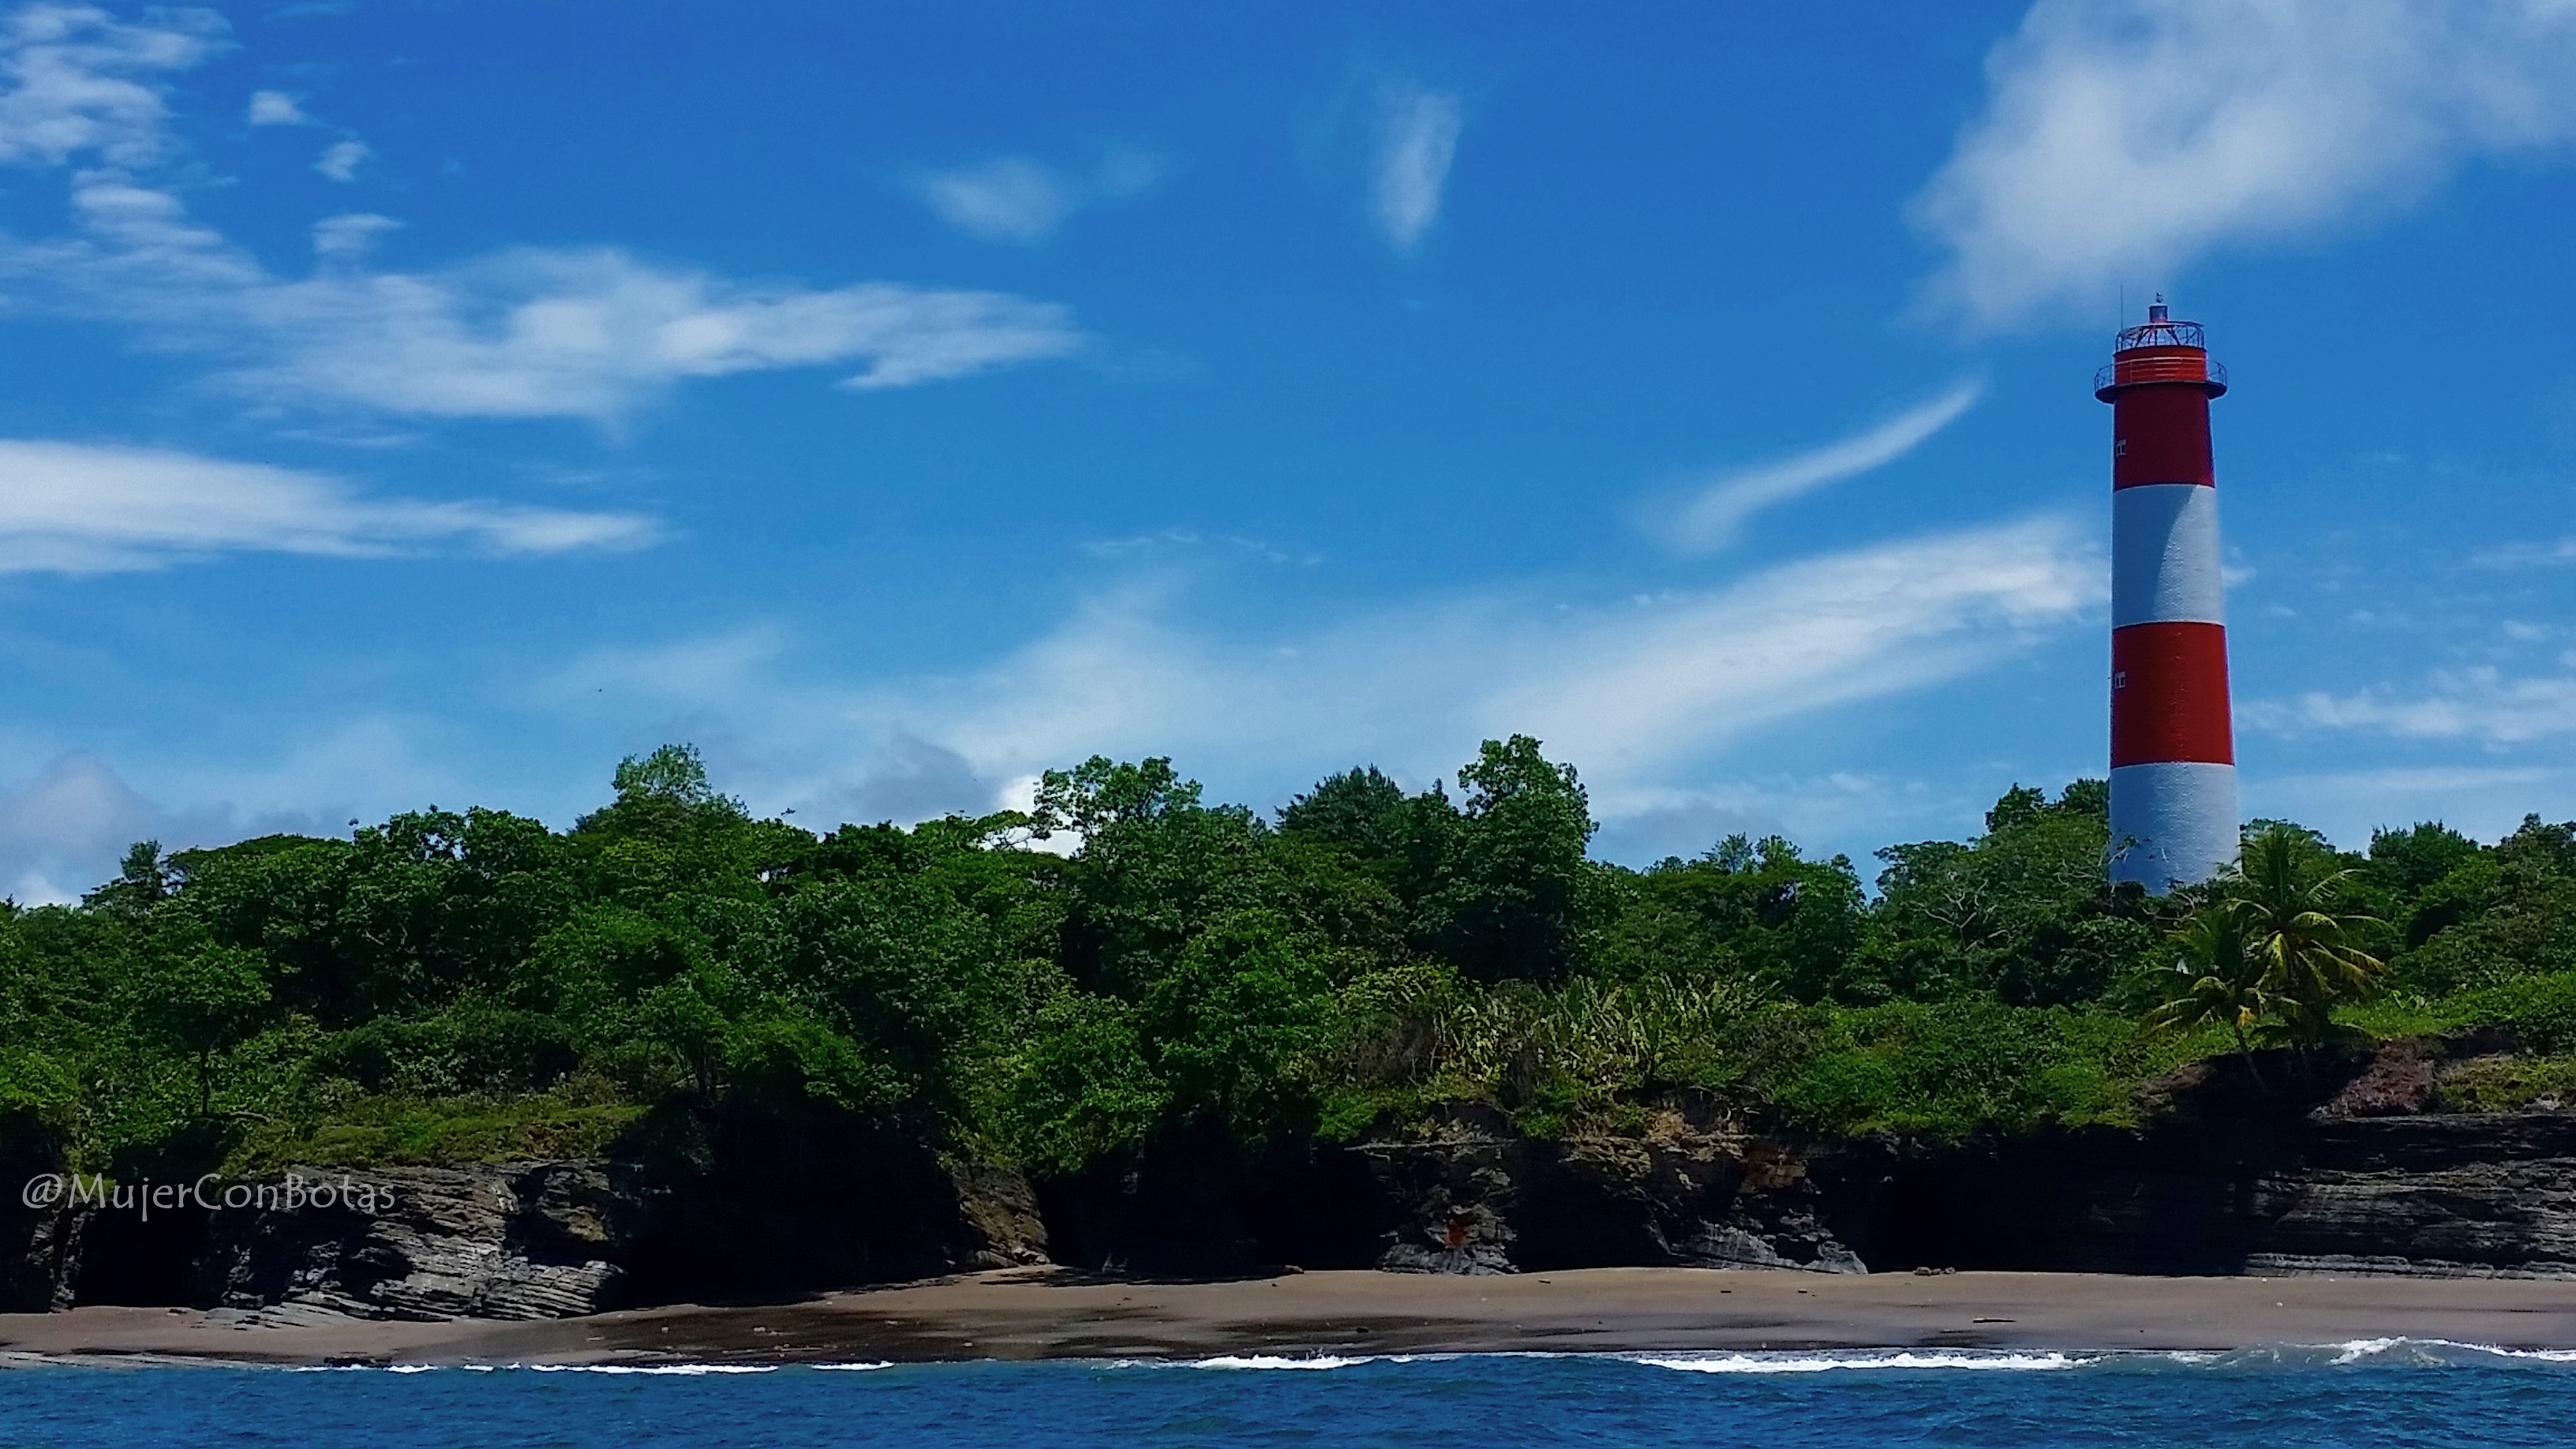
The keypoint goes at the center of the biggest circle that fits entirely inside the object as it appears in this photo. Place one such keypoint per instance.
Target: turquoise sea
(2377, 1393)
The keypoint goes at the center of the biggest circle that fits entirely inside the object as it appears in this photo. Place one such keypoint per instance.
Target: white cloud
(528, 333)
(1015, 199)
(81, 509)
(76, 81)
(2528, 555)
(340, 160)
(2478, 704)
(350, 237)
(276, 108)
(525, 333)
(1711, 520)
(2123, 139)
(1662, 705)
(1009, 199)
(62, 828)
(1417, 139)
(65, 827)
(1643, 697)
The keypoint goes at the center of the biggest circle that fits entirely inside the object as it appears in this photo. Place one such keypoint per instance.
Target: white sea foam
(674, 1370)
(2391, 1352)
(1277, 1361)
(2436, 1350)
(1818, 1363)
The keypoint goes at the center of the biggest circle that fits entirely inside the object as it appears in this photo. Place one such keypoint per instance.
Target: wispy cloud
(276, 108)
(1016, 199)
(528, 333)
(2477, 704)
(82, 509)
(2528, 555)
(1712, 519)
(1417, 138)
(525, 333)
(349, 237)
(2123, 139)
(1656, 702)
(341, 159)
(1643, 696)
(76, 81)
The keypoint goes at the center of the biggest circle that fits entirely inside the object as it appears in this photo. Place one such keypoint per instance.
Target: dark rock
(38, 1248)
(1192, 1202)
(530, 1239)
(2327, 1161)
(514, 1240)
(999, 1212)
(49, 1264)
(2329, 1165)
(1474, 1196)
(2399, 1080)
(728, 1200)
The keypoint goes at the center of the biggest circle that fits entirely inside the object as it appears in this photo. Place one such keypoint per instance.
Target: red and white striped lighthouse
(2173, 747)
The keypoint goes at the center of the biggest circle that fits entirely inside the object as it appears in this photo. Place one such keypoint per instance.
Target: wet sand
(1043, 1313)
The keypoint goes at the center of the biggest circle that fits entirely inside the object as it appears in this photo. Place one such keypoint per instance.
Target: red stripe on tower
(2173, 750)
(2169, 695)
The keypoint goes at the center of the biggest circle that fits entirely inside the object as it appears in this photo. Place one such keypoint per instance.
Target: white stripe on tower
(2164, 555)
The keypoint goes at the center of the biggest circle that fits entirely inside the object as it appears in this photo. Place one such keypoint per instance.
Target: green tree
(204, 1002)
(1360, 809)
(2220, 983)
(1745, 908)
(2496, 916)
(2023, 911)
(1079, 1086)
(140, 885)
(1235, 1027)
(1506, 899)
(2308, 953)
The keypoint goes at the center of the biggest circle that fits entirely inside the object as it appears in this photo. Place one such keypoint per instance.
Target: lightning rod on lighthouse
(2173, 748)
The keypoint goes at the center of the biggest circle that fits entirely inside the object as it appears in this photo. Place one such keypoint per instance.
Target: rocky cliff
(2341, 1162)
(506, 1240)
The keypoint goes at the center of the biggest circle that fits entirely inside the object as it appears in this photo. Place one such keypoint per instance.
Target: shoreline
(1021, 1314)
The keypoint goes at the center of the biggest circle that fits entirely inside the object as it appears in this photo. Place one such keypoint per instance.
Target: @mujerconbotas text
(47, 1189)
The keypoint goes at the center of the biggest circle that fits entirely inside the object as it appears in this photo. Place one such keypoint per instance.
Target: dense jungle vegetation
(475, 986)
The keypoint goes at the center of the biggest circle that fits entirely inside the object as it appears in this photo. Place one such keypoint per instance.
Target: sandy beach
(1026, 1314)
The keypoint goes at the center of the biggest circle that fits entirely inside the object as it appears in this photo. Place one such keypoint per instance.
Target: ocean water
(2385, 1392)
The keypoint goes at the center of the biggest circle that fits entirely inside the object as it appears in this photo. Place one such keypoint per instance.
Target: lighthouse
(2173, 747)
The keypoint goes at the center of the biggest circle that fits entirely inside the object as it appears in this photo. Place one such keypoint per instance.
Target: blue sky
(412, 403)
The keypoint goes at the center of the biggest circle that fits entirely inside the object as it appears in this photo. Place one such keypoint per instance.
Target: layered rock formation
(1472, 1196)
(514, 1240)
(517, 1240)
(2336, 1162)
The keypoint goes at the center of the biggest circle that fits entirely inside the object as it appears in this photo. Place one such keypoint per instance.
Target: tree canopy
(1126, 966)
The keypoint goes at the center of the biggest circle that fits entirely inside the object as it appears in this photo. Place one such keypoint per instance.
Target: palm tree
(2307, 956)
(2224, 984)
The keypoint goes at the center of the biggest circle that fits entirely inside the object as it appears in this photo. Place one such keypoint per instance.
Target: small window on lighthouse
(2119, 447)
(2119, 679)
